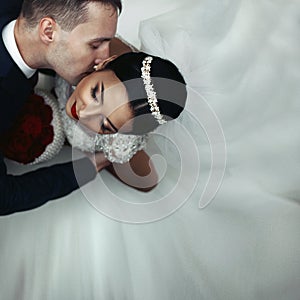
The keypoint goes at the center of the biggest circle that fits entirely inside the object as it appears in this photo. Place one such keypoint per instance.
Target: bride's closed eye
(106, 125)
(94, 91)
(104, 128)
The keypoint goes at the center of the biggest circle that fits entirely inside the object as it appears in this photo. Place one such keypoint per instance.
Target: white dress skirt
(234, 152)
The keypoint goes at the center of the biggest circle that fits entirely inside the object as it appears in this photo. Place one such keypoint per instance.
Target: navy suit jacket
(30, 190)
(10, 8)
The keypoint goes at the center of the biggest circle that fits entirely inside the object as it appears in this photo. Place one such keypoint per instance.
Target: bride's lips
(73, 111)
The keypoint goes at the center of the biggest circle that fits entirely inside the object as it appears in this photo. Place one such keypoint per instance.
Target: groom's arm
(33, 189)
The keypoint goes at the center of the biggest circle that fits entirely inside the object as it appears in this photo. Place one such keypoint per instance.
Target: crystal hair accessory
(151, 95)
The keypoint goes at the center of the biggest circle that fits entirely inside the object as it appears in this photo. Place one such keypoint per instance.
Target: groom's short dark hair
(68, 13)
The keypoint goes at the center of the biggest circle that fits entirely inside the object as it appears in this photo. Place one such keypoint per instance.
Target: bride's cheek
(91, 122)
(68, 108)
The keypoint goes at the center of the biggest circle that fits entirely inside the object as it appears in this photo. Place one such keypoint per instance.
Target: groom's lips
(73, 111)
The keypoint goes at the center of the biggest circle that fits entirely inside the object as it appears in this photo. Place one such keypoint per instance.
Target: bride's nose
(84, 97)
(88, 107)
(80, 104)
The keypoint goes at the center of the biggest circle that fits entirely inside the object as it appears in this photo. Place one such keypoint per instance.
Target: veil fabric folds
(243, 58)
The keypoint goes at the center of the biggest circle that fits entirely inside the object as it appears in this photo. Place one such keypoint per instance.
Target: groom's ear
(47, 27)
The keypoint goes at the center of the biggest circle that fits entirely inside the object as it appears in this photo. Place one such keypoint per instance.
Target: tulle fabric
(243, 58)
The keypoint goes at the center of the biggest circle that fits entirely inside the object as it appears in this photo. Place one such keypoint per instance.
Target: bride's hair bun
(168, 83)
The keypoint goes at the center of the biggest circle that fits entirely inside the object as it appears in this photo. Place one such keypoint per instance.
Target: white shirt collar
(11, 46)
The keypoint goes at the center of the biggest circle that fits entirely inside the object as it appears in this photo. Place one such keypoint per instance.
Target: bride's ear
(103, 64)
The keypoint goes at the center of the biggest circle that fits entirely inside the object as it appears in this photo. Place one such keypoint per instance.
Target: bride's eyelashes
(94, 91)
(105, 129)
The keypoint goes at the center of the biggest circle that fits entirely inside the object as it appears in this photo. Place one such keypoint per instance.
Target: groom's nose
(102, 54)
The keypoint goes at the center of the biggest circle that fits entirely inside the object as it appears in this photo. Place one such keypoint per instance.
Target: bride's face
(100, 103)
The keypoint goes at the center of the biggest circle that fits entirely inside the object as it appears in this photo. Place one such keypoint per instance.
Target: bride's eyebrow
(102, 93)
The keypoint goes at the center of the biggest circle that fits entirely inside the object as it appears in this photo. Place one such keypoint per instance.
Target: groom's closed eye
(96, 43)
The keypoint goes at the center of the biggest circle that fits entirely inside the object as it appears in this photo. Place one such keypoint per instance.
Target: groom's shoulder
(9, 11)
(10, 8)
(5, 58)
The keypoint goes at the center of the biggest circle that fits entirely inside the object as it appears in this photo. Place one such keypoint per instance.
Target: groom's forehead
(101, 13)
(100, 25)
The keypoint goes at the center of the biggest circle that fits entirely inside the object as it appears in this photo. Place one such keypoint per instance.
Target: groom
(69, 37)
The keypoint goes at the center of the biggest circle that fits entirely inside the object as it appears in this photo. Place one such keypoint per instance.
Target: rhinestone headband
(151, 95)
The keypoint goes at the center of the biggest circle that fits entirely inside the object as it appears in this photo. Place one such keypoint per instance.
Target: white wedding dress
(241, 60)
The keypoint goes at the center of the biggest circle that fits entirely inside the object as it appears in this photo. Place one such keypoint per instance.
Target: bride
(116, 108)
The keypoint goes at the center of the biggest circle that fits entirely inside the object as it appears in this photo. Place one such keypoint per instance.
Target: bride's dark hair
(168, 84)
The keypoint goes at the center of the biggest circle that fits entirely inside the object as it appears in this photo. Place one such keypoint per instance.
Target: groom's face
(74, 53)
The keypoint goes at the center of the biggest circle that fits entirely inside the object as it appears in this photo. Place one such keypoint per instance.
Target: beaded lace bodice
(116, 147)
